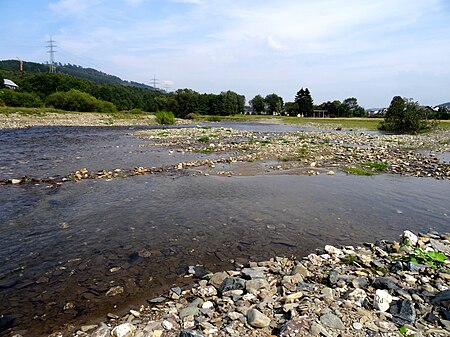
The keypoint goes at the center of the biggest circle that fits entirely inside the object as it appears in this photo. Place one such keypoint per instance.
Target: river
(62, 249)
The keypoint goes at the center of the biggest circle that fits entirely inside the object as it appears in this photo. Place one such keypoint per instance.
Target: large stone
(123, 330)
(217, 279)
(440, 247)
(332, 321)
(409, 238)
(257, 319)
(301, 269)
(253, 286)
(385, 283)
(188, 311)
(382, 300)
(254, 273)
(232, 283)
(403, 312)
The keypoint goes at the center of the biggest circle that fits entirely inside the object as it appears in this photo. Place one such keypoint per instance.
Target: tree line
(39, 89)
(303, 105)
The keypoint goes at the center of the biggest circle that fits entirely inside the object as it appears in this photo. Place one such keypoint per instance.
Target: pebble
(319, 295)
(257, 319)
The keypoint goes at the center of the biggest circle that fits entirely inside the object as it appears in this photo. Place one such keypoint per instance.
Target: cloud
(335, 47)
(274, 44)
(71, 7)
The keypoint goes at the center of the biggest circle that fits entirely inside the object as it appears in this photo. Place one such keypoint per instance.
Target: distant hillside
(443, 105)
(73, 70)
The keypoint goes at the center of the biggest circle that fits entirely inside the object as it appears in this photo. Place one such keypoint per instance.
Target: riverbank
(398, 288)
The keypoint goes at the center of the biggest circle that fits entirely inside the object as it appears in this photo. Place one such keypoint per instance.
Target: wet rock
(232, 283)
(5, 322)
(115, 291)
(257, 319)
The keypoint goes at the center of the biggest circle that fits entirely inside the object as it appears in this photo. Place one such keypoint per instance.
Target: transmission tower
(155, 81)
(51, 50)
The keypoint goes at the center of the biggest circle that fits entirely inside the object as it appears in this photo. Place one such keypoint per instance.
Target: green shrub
(106, 107)
(72, 100)
(192, 115)
(14, 98)
(165, 117)
(75, 100)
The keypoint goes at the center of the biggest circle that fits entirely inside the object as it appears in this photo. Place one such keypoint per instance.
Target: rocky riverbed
(379, 289)
(314, 152)
(246, 153)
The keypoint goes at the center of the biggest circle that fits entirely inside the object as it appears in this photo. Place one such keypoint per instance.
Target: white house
(10, 84)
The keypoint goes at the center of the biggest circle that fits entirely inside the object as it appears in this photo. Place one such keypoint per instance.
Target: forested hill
(70, 69)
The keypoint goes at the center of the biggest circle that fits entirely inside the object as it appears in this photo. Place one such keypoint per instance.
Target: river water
(62, 249)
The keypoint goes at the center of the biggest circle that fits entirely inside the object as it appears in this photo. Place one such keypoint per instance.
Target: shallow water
(58, 245)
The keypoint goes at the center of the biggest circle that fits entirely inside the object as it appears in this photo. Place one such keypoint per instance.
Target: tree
(350, 108)
(274, 104)
(258, 104)
(304, 102)
(291, 109)
(404, 116)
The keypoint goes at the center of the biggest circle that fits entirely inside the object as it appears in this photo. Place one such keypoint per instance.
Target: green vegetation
(357, 171)
(20, 99)
(405, 116)
(404, 331)
(75, 100)
(203, 139)
(431, 258)
(165, 117)
(377, 166)
(207, 150)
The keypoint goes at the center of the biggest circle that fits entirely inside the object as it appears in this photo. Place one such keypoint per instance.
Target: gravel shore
(379, 289)
(21, 120)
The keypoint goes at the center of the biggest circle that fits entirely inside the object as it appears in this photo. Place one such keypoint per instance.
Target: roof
(9, 83)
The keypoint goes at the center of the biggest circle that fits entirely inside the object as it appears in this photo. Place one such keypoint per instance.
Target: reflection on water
(60, 245)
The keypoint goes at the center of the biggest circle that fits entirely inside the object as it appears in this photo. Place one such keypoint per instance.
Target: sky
(368, 49)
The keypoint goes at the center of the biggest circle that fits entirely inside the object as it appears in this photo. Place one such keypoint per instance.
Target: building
(10, 84)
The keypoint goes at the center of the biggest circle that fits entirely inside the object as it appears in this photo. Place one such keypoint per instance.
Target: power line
(51, 50)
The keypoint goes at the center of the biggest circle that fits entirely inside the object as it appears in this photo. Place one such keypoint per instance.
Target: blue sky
(368, 49)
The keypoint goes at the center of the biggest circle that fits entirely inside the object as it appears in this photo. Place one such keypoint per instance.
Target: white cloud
(336, 48)
(275, 45)
(70, 7)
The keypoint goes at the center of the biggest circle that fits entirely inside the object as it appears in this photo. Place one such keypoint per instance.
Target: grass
(203, 139)
(377, 166)
(357, 171)
(207, 150)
